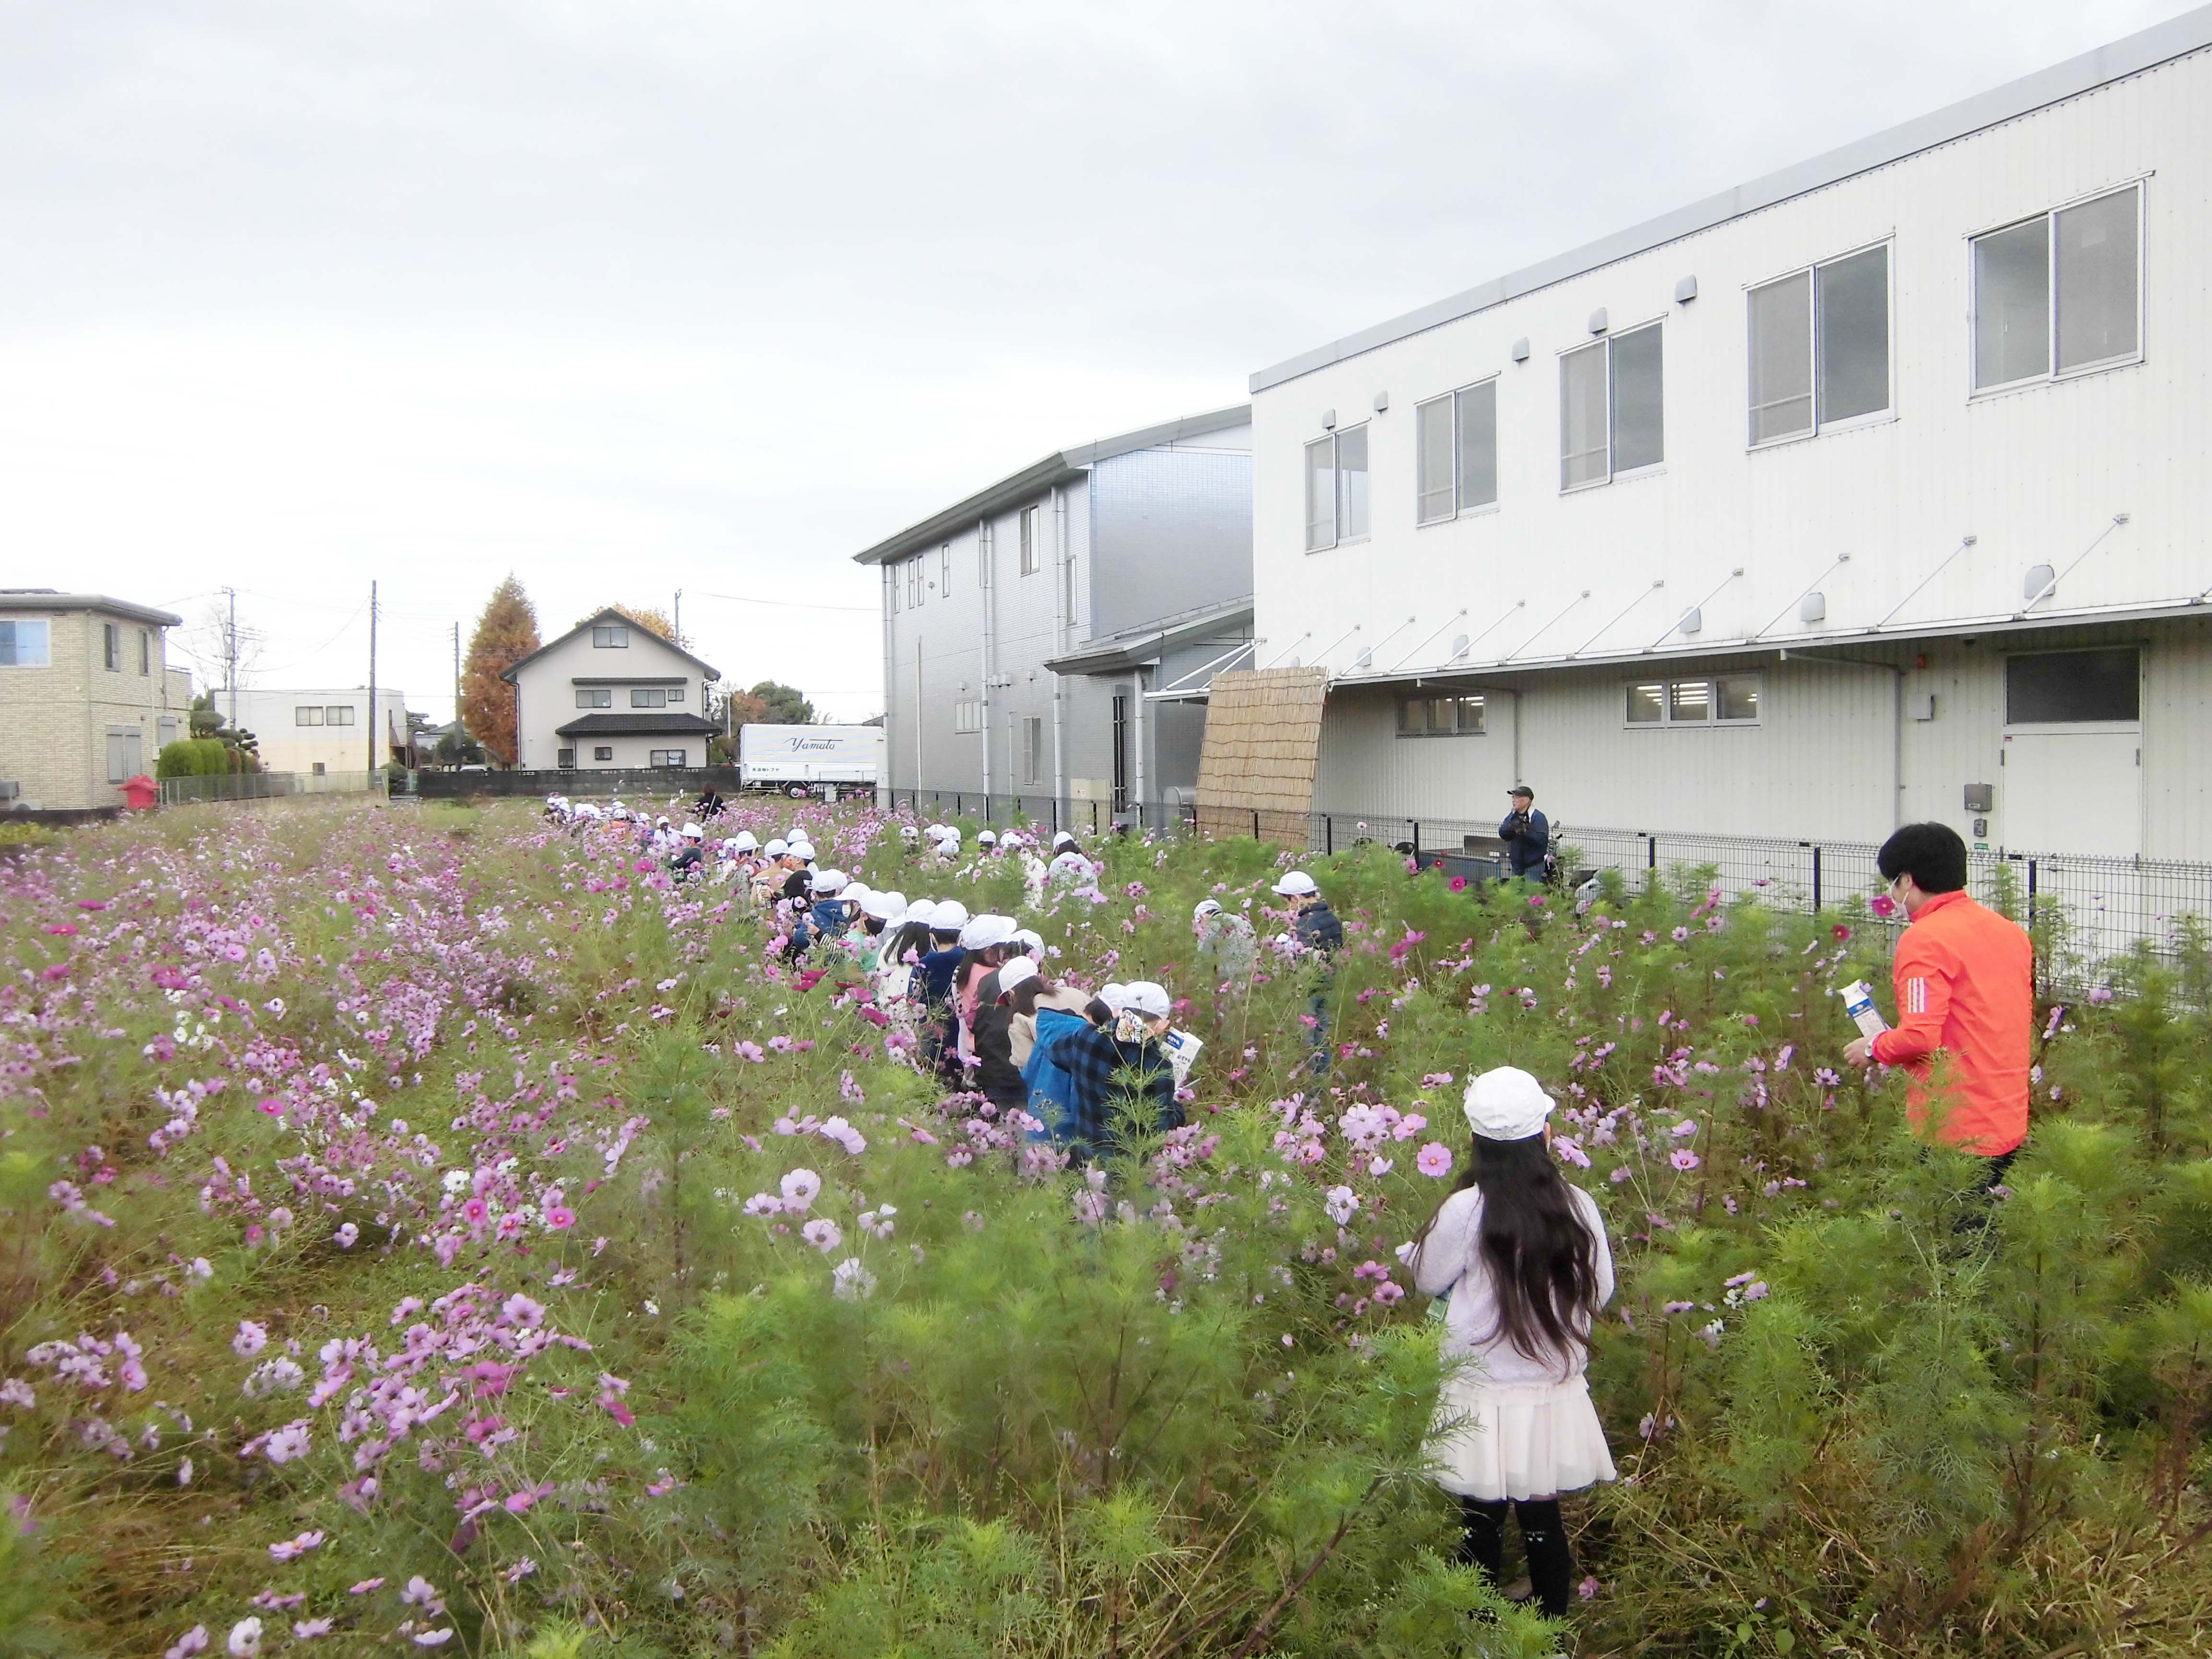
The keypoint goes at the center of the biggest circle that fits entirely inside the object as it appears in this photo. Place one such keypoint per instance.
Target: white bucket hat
(1507, 1103)
(1205, 908)
(1142, 996)
(775, 849)
(1295, 884)
(923, 911)
(746, 842)
(952, 915)
(1013, 971)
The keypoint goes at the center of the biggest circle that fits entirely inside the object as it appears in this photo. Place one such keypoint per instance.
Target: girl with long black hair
(1522, 1254)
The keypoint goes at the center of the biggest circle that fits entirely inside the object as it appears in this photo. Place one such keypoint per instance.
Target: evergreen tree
(772, 704)
(506, 633)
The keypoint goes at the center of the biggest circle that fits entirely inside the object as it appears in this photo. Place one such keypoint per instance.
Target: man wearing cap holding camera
(1527, 834)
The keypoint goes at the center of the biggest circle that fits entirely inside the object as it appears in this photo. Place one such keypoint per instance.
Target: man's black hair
(1931, 853)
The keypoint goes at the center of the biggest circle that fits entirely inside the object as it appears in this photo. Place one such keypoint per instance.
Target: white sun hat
(827, 882)
(801, 850)
(1205, 908)
(1142, 996)
(886, 907)
(1507, 1103)
(1113, 994)
(1030, 940)
(987, 838)
(1295, 884)
(950, 917)
(1065, 838)
(987, 932)
(746, 842)
(775, 849)
(923, 911)
(692, 832)
(1013, 971)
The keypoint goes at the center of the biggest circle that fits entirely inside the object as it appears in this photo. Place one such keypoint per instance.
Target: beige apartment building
(86, 698)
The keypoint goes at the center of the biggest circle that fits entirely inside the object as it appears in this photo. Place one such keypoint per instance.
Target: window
(605, 751)
(1723, 700)
(1457, 440)
(1610, 419)
(1032, 528)
(338, 714)
(24, 644)
(611, 639)
(675, 695)
(671, 758)
(1032, 747)
(913, 582)
(565, 759)
(1440, 717)
(167, 726)
(945, 569)
(1336, 489)
(1820, 346)
(317, 768)
(2085, 316)
(968, 714)
(307, 714)
(1069, 597)
(145, 652)
(126, 752)
(647, 696)
(595, 697)
(2051, 688)
(112, 646)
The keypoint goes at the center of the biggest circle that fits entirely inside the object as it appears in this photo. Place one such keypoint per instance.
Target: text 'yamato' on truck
(823, 761)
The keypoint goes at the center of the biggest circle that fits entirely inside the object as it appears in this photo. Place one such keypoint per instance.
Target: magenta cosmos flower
(1434, 1160)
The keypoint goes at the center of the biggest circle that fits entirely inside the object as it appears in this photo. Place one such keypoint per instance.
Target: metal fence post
(1816, 878)
(1328, 831)
(1651, 852)
(1256, 824)
(1416, 842)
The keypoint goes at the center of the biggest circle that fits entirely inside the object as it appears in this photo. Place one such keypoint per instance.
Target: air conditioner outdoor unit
(11, 791)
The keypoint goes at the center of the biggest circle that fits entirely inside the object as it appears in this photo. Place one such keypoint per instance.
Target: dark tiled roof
(642, 724)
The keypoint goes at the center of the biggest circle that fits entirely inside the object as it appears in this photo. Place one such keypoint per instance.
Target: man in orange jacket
(1966, 991)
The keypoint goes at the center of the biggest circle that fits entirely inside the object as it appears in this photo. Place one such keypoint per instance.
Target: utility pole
(457, 671)
(230, 656)
(373, 714)
(679, 640)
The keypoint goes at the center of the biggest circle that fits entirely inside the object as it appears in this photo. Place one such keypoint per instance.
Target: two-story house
(1051, 636)
(1869, 491)
(87, 699)
(611, 695)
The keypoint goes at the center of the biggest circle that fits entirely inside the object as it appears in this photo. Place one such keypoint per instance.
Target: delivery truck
(811, 760)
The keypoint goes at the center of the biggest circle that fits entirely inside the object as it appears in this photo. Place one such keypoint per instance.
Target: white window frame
(595, 696)
(2051, 372)
(307, 713)
(914, 583)
(1666, 722)
(1334, 439)
(1451, 398)
(45, 627)
(945, 571)
(1612, 474)
(338, 714)
(1032, 535)
(967, 715)
(565, 759)
(611, 636)
(1811, 274)
(673, 760)
(603, 752)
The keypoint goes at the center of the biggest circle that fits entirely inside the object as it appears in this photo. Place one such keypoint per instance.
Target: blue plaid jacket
(1105, 1077)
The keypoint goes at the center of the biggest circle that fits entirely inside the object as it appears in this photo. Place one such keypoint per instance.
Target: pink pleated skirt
(1493, 1440)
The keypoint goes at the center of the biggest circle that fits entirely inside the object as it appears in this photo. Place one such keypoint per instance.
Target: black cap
(1521, 789)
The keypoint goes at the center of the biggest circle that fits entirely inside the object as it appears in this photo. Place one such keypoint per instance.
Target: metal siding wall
(2034, 473)
(1174, 531)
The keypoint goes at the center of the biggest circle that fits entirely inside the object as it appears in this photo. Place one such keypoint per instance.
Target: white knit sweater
(1450, 1263)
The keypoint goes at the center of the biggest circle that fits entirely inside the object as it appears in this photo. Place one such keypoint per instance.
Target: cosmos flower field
(435, 1231)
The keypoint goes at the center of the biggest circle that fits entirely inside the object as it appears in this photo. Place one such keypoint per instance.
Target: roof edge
(593, 620)
(149, 614)
(1060, 467)
(2146, 49)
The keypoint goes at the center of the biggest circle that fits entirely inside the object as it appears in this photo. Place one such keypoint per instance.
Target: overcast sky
(641, 294)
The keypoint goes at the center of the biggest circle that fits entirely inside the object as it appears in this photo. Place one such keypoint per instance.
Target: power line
(785, 604)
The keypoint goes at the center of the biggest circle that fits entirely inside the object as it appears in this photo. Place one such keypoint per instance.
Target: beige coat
(1024, 1032)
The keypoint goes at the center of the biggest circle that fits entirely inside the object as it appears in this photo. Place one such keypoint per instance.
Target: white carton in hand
(1858, 1004)
(1183, 1053)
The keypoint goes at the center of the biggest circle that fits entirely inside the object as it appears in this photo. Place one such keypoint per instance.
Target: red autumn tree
(506, 633)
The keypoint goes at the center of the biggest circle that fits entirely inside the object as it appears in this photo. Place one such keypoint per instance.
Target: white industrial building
(321, 732)
(1040, 633)
(1872, 490)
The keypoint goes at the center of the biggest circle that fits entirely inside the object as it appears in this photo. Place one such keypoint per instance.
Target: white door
(2075, 788)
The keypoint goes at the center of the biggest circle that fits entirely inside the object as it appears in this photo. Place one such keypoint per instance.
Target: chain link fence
(267, 786)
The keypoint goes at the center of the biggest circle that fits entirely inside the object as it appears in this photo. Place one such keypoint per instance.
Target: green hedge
(193, 757)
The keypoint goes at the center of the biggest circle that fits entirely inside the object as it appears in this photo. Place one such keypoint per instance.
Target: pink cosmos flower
(1434, 1160)
(1685, 1159)
(823, 1234)
(292, 1549)
(250, 1339)
(560, 1217)
(366, 1586)
(801, 1188)
(193, 1640)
